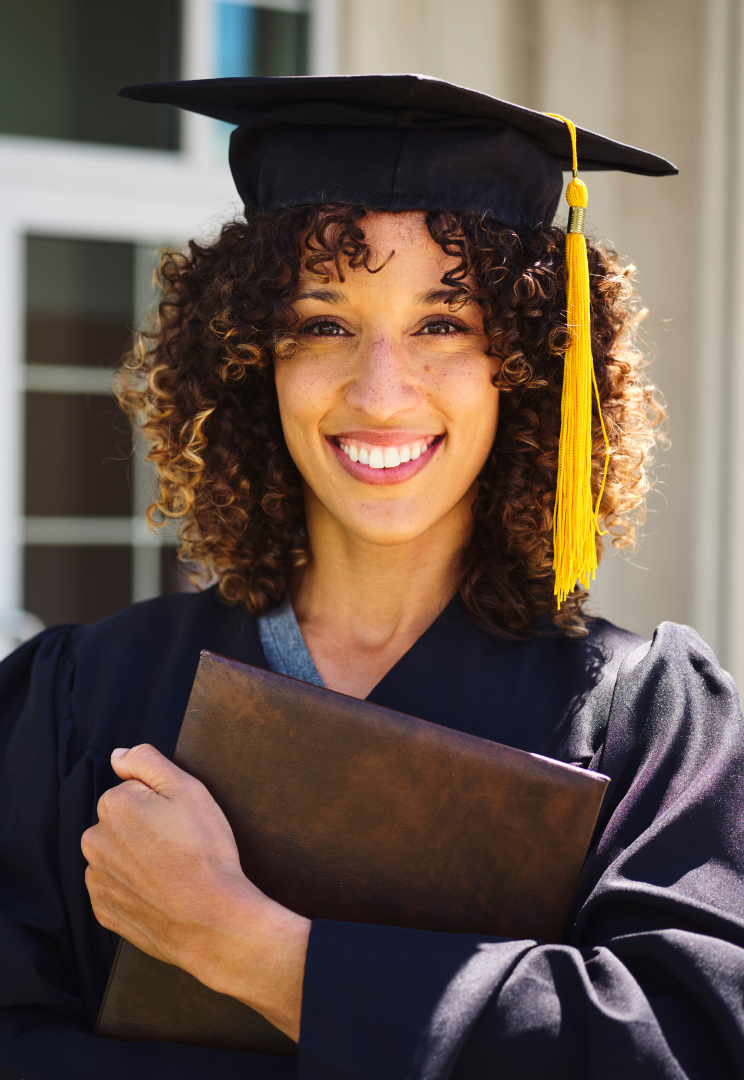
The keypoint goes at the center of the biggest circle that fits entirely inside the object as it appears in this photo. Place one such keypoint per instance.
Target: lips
(384, 461)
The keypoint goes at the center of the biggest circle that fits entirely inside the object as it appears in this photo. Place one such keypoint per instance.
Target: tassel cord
(576, 519)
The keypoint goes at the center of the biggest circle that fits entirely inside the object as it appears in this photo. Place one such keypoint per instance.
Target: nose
(383, 387)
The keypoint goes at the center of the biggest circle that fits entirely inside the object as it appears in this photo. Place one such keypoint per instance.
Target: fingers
(88, 843)
(148, 765)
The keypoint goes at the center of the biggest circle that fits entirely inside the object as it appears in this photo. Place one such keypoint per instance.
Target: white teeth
(385, 457)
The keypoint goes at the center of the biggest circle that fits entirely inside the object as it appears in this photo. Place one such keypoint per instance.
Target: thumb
(148, 765)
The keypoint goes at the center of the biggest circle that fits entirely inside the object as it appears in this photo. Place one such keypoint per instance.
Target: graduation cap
(409, 142)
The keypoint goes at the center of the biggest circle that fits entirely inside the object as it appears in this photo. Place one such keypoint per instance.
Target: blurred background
(92, 185)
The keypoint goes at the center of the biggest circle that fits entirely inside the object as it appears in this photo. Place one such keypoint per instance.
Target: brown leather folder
(345, 810)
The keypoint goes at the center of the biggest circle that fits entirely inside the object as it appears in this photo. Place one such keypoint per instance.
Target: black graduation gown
(649, 982)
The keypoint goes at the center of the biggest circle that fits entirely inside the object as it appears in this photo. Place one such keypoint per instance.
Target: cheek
(305, 391)
(463, 388)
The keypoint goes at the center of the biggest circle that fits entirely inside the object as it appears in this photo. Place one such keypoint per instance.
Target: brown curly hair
(200, 383)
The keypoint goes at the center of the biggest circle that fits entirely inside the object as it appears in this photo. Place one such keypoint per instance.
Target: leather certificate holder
(342, 809)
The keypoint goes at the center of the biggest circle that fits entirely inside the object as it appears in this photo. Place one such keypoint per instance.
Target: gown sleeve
(54, 956)
(649, 980)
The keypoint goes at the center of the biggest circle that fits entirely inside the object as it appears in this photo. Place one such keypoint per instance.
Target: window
(88, 551)
(86, 548)
(63, 61)
(269, 37)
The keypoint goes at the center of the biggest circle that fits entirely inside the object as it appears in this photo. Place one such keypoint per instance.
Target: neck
(362, 605)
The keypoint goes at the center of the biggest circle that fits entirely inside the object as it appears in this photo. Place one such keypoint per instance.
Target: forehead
(408, 227)
(400, 246)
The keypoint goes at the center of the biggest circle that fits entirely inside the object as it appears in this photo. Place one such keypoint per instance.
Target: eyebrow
(327, 296)
(335, 296)
(436, 296)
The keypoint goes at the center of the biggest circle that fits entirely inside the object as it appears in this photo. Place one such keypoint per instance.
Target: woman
(355, 409)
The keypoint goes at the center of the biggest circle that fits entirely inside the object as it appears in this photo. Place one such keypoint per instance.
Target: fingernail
(119, 751)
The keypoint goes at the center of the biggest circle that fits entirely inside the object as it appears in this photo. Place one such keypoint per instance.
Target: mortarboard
(410, 142)
(394, 142)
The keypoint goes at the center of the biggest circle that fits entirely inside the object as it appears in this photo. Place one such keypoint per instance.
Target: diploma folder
(342, 809)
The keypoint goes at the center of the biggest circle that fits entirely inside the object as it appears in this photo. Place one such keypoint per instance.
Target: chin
(390, 530)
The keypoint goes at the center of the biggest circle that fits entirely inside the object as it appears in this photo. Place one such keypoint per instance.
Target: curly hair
(200, 383)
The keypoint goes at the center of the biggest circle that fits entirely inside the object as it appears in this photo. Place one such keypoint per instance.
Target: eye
(444, 325)
(324, 328)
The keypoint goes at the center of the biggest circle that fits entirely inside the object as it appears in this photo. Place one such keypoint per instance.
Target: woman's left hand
(164, 873)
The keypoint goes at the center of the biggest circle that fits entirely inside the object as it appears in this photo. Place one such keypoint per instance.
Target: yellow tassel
(575, 519)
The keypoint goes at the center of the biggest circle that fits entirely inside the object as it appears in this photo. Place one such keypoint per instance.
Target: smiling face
(388, 405)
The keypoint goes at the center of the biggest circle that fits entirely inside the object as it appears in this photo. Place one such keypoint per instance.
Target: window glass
(63, 61)
(261, 39)
(268, 38)
(78, 456)
(78, 468)
(79, 301)
(76, 584)
(88, 551)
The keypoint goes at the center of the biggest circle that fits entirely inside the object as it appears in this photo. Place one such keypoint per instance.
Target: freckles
(308, 393)
(472, 377)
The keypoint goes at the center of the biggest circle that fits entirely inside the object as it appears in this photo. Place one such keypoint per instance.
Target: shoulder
(589, 665)
(39, 670)
(675, 672)
(153, 628)
(601, 630)
(608, 648)
(674, 699)
(586, 670)
(677, 656)
(127, 678)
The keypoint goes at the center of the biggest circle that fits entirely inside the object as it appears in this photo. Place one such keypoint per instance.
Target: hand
(164, 873)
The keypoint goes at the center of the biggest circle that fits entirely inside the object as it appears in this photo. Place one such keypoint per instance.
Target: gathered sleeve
(649, 980)
(54, 956)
